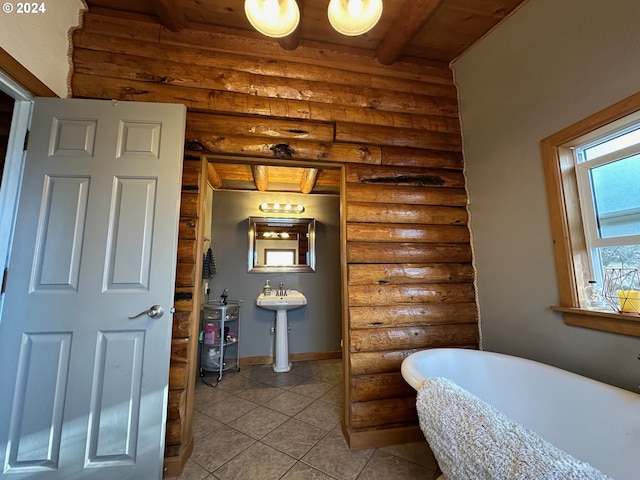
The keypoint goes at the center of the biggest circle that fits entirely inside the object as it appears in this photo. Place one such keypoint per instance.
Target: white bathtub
(595, 422)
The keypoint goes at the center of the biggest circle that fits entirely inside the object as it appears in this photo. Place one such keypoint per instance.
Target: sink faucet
(281, 292)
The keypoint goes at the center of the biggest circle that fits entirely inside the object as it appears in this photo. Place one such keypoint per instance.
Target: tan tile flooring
(262, 425)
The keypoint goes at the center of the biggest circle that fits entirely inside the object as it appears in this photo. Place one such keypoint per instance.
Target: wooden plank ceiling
(410, 31)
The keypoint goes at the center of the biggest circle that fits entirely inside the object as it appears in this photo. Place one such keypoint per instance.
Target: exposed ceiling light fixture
(279, 18)
(273, 18)
(354, 17)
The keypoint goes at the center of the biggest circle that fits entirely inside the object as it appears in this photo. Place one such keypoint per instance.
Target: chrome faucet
(281, 292)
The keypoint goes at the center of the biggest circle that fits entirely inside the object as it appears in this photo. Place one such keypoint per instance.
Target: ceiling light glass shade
(354, 17)
(273, 18)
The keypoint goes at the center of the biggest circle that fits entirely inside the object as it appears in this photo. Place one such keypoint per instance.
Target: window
(278, 257)
(592, 172)
(608, 176)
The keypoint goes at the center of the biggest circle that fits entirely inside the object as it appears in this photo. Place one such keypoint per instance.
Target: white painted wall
(40, 41)
(547, 66)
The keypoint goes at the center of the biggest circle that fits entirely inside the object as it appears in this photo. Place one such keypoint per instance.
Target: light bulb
(271, 11)
(354, 17)
(354, 8)
(273, 18)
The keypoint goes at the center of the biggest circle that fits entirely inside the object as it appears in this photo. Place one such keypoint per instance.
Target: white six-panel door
(83, 388)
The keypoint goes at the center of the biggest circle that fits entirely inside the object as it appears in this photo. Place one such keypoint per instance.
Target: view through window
(608, 177)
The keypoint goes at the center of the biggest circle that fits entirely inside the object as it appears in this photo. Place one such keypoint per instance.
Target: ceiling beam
(260, 176)
(212, 176)
(414, 15)
(170, 14)
(308, 180)
(291, 42)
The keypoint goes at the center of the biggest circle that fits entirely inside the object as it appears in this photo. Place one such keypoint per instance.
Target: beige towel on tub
(473, 441)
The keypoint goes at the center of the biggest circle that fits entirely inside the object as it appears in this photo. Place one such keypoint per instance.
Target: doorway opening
(16, 105)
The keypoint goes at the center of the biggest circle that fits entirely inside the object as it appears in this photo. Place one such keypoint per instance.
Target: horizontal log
(366, 363)
(389, 411)
(364, 388)
(391, 175)
(386, 194)
(176, 405)
(117, 26)
(181, 324)
(366, 252)
(141, 68)
(409, 273)
(190, 204)
(188, 228)
(448, 141)
(191, 172)
(180, 350)
(184, 298)
(415, 157)
(394, 233)
(305, 62)
(186, 274)
(404, 338)
(370, 295)
(178, 376)
(174, 432)
(406, 213)
(264, 147)
(258, 127)
(412, 315)
(308, 52)
(187, 251)
(216, 101)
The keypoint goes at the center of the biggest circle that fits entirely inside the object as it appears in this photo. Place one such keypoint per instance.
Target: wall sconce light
(273, 18)
(280, 208)
(354, 17)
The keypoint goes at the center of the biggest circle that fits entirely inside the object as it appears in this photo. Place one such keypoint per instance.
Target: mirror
(282, 244)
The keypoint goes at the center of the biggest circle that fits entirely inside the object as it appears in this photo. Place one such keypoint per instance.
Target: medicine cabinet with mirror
(281, 244)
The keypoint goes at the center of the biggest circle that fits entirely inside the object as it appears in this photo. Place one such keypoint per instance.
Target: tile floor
(261, 425)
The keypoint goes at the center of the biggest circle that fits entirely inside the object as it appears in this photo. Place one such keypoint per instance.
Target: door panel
(129, 238)
(42, 378)
(60, 232)
(115, 398)
(84, 387)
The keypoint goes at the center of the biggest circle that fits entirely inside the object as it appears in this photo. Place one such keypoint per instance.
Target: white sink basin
(293, 299)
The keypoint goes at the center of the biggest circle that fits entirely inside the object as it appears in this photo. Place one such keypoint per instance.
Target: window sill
(621, 323)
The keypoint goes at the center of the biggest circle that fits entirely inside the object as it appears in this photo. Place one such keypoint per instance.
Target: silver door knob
(155, 311)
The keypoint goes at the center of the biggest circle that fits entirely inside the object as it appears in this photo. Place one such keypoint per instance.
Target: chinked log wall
(407, 258)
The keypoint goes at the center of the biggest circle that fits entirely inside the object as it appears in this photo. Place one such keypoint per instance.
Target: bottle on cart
(210, 334)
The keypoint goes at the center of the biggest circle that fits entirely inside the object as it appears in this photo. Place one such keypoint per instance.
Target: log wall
(407, 274)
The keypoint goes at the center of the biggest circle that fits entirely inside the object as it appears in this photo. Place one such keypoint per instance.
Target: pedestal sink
(282, 303)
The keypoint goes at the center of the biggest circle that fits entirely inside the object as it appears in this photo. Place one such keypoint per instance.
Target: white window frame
(586, 196)
(571, 248)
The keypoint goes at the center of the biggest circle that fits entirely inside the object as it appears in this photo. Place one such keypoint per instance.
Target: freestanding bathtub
(592, 421)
